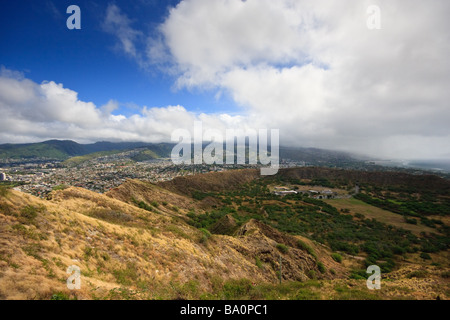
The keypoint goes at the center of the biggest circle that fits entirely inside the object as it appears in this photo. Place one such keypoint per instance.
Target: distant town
(40, 176)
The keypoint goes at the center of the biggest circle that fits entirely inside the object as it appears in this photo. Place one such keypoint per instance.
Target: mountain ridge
(64, 149)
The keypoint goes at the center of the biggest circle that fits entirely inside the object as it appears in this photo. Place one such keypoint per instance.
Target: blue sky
(328, 74)
(35, 40)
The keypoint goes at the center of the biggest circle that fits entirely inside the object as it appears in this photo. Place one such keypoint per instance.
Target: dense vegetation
(300, 215)
(57, 149)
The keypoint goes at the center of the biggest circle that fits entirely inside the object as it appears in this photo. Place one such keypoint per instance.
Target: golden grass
(147, 253)
(156, 257)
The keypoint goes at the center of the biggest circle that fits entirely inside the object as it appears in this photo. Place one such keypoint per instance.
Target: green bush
(205, 235)
(155, 204)
(410, 220)
(142, 205)
(425, 256)
(445, 274)
(418, 274)
(302, 245)
(259, 263)
(336, 257)
(235, 289)
(29, 212)
(126, 276)
(321, 267)
(60, 187)
(312, 274)
(358, 274)
(4, 191)
(283, 248)
(59, 296)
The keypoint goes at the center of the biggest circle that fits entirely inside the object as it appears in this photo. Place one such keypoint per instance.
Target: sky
(328, 74)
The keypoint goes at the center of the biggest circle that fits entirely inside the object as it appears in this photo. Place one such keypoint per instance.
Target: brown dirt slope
(213, 181)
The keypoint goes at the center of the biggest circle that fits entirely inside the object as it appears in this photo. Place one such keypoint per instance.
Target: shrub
(336, 257)
(59, 296)
(358, 274)
(88, 252)
(235, 289)
(205, 235)
(302, 245)
(259, 263)
(142, 205)
(155, 204)
(126, 276)
(3, 191)
(418, 274)
(410, 220)
(60, 187)
(425, 256)
(445, 274)
(321, 267)
(311, 274)
(29, 212)
(283, 248)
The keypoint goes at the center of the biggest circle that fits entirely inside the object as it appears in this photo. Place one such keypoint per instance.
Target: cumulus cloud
(316, 71)
(35, 112)
(309, 68)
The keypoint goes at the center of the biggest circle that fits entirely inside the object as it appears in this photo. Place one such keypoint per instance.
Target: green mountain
(64, 149)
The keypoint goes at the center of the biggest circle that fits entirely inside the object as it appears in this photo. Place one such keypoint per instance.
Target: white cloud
(35, 112)
(120, 25)
(310, 68)
(314, 69)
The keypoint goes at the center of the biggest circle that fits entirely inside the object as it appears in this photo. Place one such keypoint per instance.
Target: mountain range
(65, 149)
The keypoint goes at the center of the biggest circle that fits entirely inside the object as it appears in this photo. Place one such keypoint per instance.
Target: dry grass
(123, 256)
(113, 248)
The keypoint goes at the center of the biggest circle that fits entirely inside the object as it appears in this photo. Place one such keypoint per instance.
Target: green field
(371, 212)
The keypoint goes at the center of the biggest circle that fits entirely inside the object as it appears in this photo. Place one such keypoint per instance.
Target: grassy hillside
(122, 248)
(217, 236)
(145, 155)
(57, 149)
(38, 150)
(75, 161)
